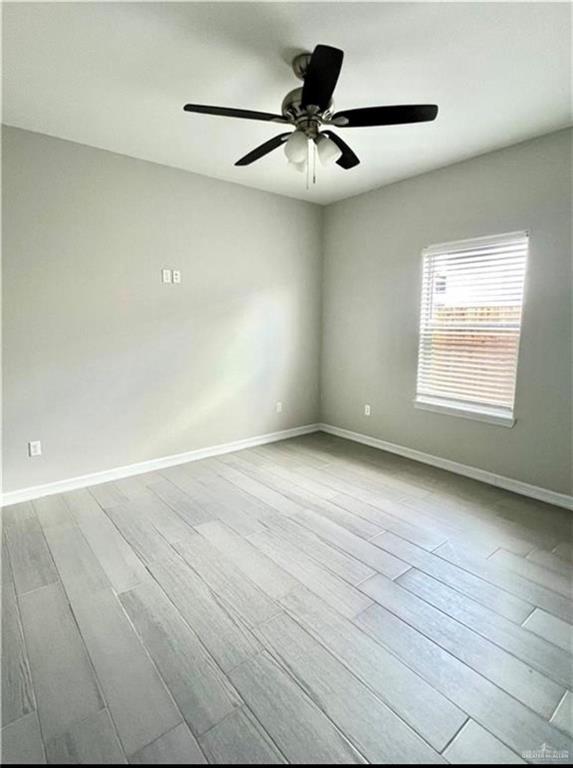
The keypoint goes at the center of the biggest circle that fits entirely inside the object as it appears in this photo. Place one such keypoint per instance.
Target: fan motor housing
(306, 119)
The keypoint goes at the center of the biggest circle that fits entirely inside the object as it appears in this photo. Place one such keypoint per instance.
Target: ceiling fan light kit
(328, 152)
(295, 147)
(310, 111)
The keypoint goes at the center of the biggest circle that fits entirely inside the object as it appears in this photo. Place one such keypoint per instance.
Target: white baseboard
(73, 483)
(508, 483)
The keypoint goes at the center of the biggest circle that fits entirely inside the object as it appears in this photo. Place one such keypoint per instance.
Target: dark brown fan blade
(264, 149)
(410, 113)
(321, 76)
(348, 159)
(246, 114)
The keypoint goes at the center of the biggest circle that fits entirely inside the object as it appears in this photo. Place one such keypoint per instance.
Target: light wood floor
(312, 600)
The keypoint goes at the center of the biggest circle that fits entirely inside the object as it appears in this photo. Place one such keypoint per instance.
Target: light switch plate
(166, 275)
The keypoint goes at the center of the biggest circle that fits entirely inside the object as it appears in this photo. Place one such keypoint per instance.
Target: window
(472, 296)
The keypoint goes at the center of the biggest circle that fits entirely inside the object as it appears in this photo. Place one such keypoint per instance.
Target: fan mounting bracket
(300, 64)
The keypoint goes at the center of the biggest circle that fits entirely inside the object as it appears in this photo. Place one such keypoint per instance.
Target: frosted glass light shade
(295, 148)
(300, 167)
(328, 152)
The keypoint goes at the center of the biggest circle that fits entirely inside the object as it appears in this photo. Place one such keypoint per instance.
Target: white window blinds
(472, 296)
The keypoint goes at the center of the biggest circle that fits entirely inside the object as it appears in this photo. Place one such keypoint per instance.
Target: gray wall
(107, 366)
(372, 277)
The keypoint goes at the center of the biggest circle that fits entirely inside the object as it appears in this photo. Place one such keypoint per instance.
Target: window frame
(490, 414)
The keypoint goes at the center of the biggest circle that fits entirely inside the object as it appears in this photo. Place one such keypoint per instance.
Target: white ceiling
(116, 75)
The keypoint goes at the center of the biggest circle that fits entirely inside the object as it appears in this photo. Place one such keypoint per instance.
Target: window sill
(488, 415)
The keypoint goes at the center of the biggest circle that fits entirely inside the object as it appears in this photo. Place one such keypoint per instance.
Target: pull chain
(313, 162)
(310, 163)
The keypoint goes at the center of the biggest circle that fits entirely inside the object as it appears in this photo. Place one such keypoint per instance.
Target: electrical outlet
(166, 276)
(279, 407)
(367, 410)
(176, 276)
(34, 448)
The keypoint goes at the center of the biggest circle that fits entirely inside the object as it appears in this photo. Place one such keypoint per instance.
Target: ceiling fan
(310, 110)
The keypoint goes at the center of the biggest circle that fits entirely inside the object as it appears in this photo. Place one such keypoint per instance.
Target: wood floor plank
(121, 565)
(18, 697)
(477, 521)
(346, 518)
(563, 716)
(459, 548)
(180, 502)
(371, 555)
(259, 568)
(374, 729)
(426, 710)
(350, 485)
(551, 561)
(338, 562)
(384, 485)
(239, 740)
(58, 660)
(294, 492)
(506, 671)
(22, 742)
(300, 452)
(411, 511)
(297, 726)
(334, 450)
(32, 564)
(90, 741)
(144, 539)
(141, 706)
(233, 498)
(201, 691)
(472, 641)
(228, 640)
(555, 630)
(132, 487)
(52, 511)
(214, 505)
(426, 537)
(535, 651)
(513, 583)
(108, 495)
(337, 593)
(176, 747)
(276, 474)
(474, 745)
(469, 584)
(77, 564)
(272, 498)
(514, 724)
(232, 587)
(534, 572)
(160, 517)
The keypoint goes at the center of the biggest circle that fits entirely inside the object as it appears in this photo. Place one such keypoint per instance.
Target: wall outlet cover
(34, 448)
